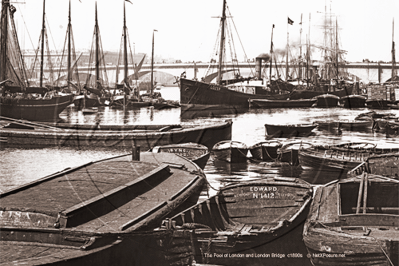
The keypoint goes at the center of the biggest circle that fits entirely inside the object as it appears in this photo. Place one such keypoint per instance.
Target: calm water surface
(19, 166)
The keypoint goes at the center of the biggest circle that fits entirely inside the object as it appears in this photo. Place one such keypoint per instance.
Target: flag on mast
(290, 21)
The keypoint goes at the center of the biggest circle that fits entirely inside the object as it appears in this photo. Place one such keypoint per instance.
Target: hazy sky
(187, 29)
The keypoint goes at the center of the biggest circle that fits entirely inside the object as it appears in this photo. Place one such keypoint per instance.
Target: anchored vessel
(112, 136)
(30, 103)
(230, 151)
(232, 94)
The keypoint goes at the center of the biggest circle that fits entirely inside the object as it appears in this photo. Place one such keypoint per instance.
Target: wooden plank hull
(242, 217)
(335, 233)
(35, 109)
(338, 158)
(97, 213)
(197, 153)
(265, 151)
(197, 92)
(206, 135)
(230, 151)
(330, 161)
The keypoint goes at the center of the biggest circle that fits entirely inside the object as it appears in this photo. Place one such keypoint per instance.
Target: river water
(19, 166)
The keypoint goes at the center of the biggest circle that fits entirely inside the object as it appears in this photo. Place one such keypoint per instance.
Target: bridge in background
(166, 73)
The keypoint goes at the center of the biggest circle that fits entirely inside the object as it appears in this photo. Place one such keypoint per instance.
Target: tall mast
(300, 52)
(336, 46)
(393, 51)
(308, 55)
(271, 56)
(4, 36)
(69, 45)
(286, 59)
(152, 64)
(42, 44)
(96, 32)
(124, 44)
(222, 38)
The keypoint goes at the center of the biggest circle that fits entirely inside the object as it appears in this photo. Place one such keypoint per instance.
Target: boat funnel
(258, 64)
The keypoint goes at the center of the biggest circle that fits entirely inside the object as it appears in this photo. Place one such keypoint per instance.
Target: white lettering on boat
(262, 189)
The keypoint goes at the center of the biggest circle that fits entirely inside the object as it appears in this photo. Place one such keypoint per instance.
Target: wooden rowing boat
(98, 213)
(354, 222)
(230, 151)
(339, 158)
(241, 217)
(265, 150)
(196, 153)
(147, 137)
(290, 130)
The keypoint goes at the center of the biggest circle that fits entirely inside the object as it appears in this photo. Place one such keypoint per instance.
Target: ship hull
(35, 109)
(197, 92)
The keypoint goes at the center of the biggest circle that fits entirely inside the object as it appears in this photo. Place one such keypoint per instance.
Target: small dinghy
(231, 151)
(240, 217)
(195, 152)
(265, 150)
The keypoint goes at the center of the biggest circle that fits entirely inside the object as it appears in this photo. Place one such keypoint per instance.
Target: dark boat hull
(289, 130)
(354, 101)
(35, 109)
(207, 135)
(263, 103)
(197, 92)
(87, 102)
(378, 104)
(230, 151)
(265, 151)
(327, 101)
(191, 111)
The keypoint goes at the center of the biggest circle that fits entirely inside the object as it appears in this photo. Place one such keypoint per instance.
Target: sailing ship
(95, 85)
(130, 98)
(204, 93)
(329, 76)
(21, 100)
